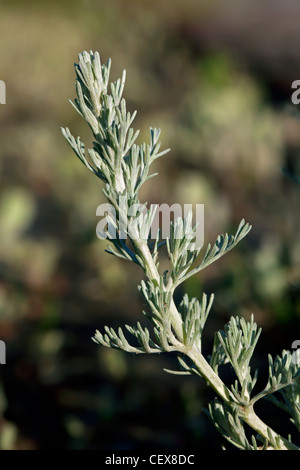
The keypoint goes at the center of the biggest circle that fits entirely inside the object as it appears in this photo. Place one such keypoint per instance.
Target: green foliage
(124, 167)
(238, 343)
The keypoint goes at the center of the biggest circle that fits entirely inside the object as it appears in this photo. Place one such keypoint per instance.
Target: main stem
(259, 426)
(142, 250)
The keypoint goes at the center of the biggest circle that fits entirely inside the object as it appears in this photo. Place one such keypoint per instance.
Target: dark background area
(216, 78)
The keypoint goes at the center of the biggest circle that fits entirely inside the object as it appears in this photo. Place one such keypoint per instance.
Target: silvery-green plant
(124, 166)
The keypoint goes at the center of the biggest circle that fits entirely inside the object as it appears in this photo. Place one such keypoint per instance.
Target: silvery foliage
(124, 166)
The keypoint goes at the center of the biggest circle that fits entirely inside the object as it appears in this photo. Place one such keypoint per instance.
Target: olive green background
(216, 78)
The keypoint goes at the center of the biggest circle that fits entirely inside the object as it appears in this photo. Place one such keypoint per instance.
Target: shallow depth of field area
(217, 80)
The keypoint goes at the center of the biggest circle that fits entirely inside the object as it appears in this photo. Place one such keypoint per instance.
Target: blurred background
(216, 78)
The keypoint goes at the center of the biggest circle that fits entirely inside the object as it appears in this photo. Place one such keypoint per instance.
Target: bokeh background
(216, 78)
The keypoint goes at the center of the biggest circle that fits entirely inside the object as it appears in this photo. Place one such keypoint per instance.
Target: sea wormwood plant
(124, 166)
